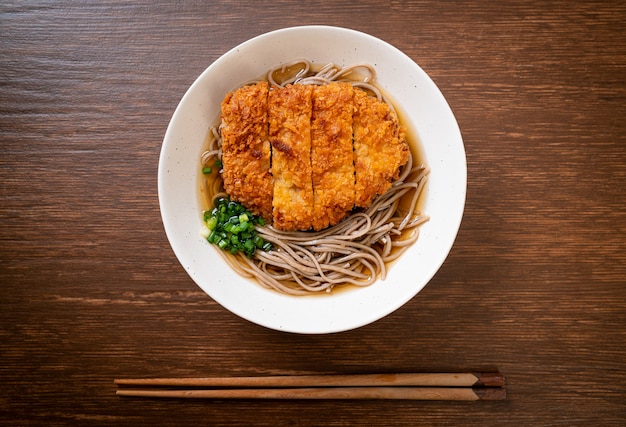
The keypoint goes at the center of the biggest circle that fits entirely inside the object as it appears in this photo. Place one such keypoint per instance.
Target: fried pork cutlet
(333, 148)
(290, 137)
(380, 148)
(331, 154)
(246, 149)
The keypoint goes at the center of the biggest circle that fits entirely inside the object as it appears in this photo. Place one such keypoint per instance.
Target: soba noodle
(355, 251)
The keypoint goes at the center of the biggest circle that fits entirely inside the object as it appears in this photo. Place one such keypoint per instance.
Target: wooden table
(534, 286)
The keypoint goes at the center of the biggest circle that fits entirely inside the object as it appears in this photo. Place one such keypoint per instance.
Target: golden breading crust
(380, 147)
(330, 148)
(246, 149)
(290, 137)
(331, 154)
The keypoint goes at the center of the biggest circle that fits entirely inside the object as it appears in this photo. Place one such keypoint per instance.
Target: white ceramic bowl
(427, 115)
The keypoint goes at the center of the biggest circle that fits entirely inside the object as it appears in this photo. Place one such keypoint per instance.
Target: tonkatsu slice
(331, 154)
(290, 138)
(380, 147)
(246, 153)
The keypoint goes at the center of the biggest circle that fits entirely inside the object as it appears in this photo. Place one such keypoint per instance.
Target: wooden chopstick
(479, 379)
(406, 393)
(416, 386)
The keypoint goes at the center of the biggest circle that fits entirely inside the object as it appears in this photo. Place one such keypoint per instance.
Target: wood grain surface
(534, 286)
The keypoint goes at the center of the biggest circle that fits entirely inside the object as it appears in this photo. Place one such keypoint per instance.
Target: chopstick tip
(489, 379)
(490, 393)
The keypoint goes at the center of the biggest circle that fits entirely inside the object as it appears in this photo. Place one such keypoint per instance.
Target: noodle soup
(353, 253)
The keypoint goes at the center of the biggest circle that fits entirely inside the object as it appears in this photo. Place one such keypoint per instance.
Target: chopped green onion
(207, 170)
(211, 223)
(231, 228)
(213, 237)
(218, 163)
